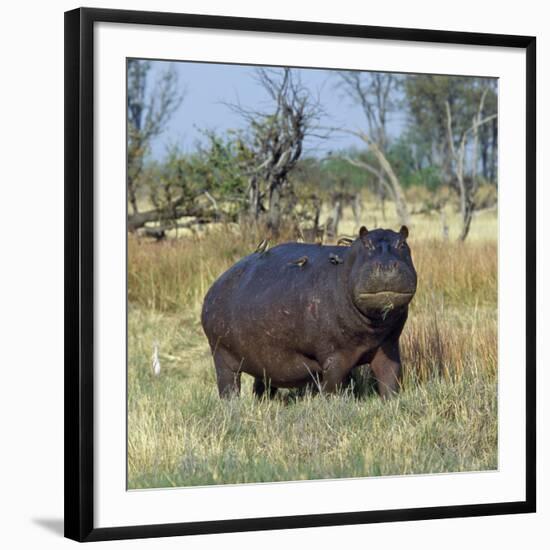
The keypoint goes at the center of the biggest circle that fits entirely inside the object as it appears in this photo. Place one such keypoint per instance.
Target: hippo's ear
(363, 233)
(404, 231)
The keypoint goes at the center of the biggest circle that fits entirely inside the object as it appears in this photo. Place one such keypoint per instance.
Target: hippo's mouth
(385, 294)
(384, 300)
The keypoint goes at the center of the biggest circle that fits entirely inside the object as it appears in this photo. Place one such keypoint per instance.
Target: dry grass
(176, 273)
(445, 419)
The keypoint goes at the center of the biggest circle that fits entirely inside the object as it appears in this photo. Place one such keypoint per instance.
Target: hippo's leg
(335, 371)
(260, 387)
(386, 367)
(228, 373)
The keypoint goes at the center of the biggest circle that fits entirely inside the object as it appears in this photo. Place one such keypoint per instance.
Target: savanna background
(223, 157)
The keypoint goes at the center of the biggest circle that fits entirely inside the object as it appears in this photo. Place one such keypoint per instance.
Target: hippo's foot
(308, 389)
(228, 373)
(361, 382)
(260, 388)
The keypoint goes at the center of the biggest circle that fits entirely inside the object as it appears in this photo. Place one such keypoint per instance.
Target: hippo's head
(382, 277)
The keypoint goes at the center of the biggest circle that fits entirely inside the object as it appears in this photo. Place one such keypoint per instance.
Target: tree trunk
(357, 209)
(254, 199)
(444, 224)
(466, 190)
(387, 179)
(274, 214)
(382, 197)
(334, 220)
(484, 141)
(494, 149)
(465, 199)
(317, 215)
(467, 214)
(395, 186)
(132, 195)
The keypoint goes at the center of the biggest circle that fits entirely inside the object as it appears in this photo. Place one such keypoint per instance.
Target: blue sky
(208, 86)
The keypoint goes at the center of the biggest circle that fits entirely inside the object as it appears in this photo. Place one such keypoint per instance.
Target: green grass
(182, 434)
(445, 419)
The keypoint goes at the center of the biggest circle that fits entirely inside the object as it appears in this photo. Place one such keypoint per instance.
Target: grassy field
(445, 420)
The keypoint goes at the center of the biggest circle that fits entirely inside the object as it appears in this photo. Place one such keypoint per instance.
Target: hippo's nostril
(379, 267)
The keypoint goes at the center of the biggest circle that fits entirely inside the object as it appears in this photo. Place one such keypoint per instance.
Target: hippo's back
(262, 284)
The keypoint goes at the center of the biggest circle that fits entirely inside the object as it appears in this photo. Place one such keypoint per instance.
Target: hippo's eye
(369, 246)
(401, 245)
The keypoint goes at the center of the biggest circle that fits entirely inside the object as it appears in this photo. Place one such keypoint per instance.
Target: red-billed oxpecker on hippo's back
(299, 313)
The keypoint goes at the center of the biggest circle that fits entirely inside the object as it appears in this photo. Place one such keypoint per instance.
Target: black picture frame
(79, 269)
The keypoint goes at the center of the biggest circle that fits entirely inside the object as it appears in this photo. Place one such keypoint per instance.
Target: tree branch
(365, 166)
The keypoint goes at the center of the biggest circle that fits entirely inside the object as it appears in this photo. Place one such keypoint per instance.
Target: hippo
(298, 314)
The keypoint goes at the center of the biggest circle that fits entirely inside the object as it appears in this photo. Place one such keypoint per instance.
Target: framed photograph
(300, 274)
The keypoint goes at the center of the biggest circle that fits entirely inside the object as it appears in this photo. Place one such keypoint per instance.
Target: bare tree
(466, 187)
(275, 139)
(148, 113)
(373, 92)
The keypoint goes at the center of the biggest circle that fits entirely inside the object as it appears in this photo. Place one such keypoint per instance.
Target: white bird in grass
(155, 357)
